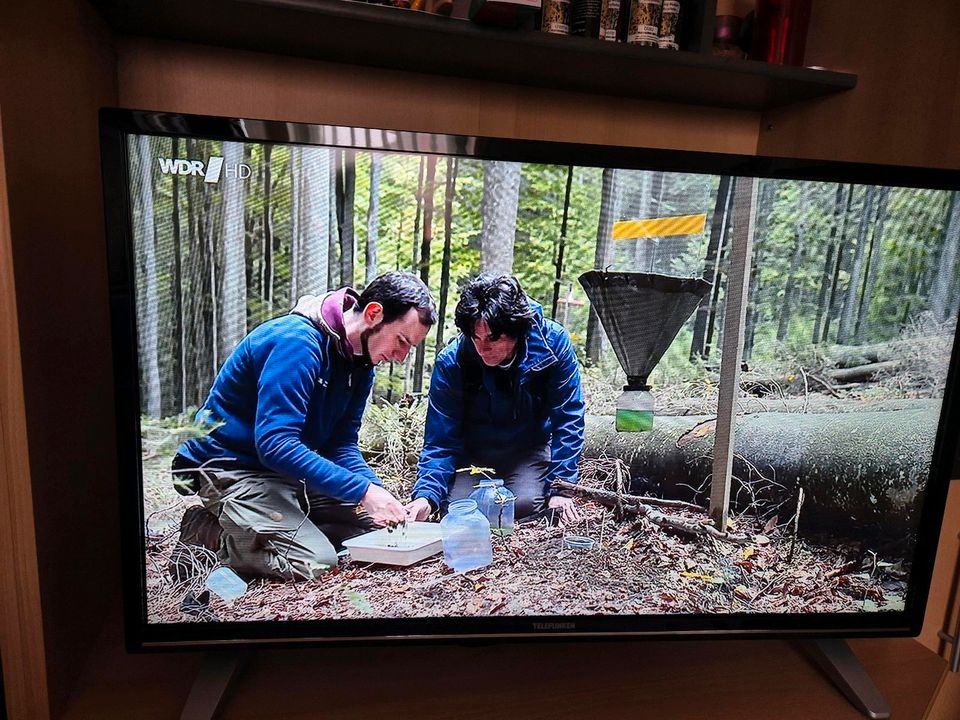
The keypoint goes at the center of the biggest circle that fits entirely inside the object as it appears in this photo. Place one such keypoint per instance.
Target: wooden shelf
(386, 37)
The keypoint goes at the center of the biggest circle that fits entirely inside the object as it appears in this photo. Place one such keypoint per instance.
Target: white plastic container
(226, 584)
(635, 411)
(421, 540)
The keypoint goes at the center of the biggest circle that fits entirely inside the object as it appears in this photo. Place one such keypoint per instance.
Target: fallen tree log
(845, 356)
(813, 403)
(803, 381)
(863, 470)
(863, 373)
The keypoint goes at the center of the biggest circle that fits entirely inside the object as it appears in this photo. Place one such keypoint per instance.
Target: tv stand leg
(216, 672)
(838, 662)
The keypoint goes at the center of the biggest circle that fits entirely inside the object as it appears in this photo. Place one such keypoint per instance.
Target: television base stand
(216, 672)
(838, 662)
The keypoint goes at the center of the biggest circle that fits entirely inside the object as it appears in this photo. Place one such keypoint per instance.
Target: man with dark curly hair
(505, 394)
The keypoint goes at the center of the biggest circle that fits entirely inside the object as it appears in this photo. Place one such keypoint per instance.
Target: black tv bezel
(116, 124)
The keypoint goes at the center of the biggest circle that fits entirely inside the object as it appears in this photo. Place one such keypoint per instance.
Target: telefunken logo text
(215, 168)
(554, 626)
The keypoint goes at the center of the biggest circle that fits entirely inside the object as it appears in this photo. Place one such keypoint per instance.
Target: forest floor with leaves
(636, 567)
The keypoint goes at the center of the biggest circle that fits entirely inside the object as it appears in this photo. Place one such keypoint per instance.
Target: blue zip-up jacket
(543, 404)
(291, 403)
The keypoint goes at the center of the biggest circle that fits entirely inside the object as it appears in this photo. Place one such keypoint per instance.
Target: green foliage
(393, 434)
(793, 235)
(162, 436)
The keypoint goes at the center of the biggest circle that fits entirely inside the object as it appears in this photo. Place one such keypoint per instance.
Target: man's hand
(570, 514)
(418, 510)
(383, 508)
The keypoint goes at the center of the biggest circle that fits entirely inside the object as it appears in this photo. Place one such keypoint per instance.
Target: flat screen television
(800, 313)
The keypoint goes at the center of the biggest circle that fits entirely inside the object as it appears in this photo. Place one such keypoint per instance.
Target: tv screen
(570, 389)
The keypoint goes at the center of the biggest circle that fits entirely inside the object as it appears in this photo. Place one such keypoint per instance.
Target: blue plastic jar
(466, 537)
(496, 502)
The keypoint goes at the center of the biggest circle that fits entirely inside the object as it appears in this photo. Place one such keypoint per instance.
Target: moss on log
(858, 470)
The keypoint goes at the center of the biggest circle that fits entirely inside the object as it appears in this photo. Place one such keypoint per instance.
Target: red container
(780, 31)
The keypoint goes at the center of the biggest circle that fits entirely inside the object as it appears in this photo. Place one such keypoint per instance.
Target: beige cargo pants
(274, 527)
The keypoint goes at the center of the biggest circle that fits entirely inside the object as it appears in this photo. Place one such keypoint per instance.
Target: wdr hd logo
(211, 173)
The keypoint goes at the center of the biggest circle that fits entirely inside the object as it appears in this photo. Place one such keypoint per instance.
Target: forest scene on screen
(630, 331)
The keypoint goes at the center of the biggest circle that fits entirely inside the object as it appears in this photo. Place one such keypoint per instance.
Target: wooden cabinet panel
(906, 106)
(158, 75)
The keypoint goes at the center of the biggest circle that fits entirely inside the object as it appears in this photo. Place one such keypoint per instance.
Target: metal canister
(644, 27)
(610, 19)
(669, 24)
(556, 17)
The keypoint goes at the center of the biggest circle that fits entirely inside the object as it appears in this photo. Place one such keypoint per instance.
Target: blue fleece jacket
(473, 406)
(291, 403)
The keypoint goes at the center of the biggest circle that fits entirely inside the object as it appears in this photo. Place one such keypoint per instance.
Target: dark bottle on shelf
(623, 22)
(726, 35)
(586, 18)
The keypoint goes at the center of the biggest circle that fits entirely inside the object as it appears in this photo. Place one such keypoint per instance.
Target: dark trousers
(524, 472)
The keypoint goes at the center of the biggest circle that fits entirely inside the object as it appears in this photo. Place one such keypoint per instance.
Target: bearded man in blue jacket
(506, 395)
(280, 471)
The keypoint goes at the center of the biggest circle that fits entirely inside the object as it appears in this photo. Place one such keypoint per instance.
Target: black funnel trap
(641, 313)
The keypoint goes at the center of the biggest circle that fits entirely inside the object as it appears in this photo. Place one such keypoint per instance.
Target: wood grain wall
(59, 65)
(21, 624)
(57, 69)
(156, 75)
(906, 106)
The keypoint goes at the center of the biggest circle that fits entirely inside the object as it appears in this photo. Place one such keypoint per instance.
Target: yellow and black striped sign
(659, 227)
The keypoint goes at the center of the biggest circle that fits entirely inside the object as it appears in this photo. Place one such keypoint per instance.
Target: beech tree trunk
(796, 257)
(501, 195)
(558, 262)
(346, 189)
(760, 245)
(373, 221)
(233, 279)
(828, 263)
(449, 195)
(314, 225)
(864, 469)
(266, 283)
(609, 211)
(333, 225)
(179, 342)
(148, 326)
(943, 292)
(847, 317)
(874, 255)
(834, 300)
(715, 318)
(711, 267)
(643, 247)
(415, 252)
(424, 263)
